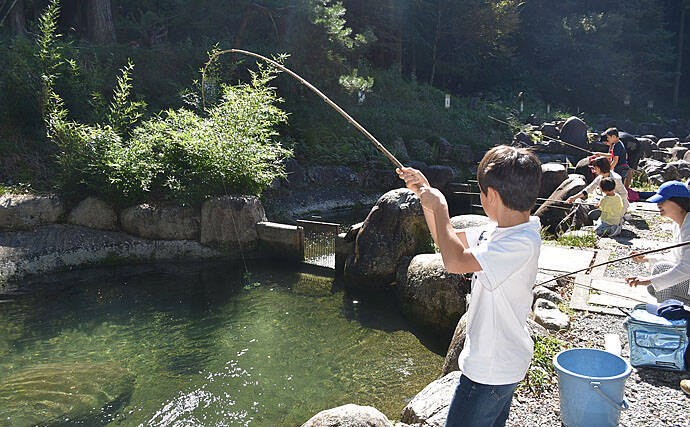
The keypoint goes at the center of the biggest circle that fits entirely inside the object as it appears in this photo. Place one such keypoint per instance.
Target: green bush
(180, 155)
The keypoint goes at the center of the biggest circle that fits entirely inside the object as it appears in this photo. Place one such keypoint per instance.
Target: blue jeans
(479, 405)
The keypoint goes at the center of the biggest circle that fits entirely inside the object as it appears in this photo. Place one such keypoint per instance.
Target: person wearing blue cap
(670, 278)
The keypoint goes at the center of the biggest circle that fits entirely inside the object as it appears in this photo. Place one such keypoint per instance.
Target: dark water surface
(203, 344)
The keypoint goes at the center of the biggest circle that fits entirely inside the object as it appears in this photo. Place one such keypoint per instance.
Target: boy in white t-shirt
(503, 257)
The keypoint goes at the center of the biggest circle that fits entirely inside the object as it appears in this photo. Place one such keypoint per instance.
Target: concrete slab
(555, 258)
(616, 293)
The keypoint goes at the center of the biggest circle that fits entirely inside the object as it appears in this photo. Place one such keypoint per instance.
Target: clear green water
(209, 346)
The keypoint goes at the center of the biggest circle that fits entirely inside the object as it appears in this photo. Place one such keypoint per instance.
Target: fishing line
(561, 201)
(677, 245)
(546, 136)
(342, 112)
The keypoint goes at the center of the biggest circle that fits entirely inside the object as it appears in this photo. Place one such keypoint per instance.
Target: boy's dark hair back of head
(611, 131)
(515, 173)
(602, 163)
(607, 184)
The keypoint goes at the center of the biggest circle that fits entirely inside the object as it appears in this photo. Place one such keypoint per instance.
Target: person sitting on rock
(585, 213)
(670, 273)
(617, 155)
(602, 169)
(503, 257)
(611, 207)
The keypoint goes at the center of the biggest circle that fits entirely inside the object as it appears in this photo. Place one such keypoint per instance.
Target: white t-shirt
(498, 347)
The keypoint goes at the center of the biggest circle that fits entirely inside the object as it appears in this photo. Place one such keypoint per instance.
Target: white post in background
(522, 106)
(548, 108)
(650, 104)
(447, 104)
(626, 101)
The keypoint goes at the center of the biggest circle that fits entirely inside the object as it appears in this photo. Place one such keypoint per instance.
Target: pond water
(204, 344)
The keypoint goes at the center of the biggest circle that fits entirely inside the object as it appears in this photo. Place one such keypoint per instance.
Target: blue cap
(670, 189)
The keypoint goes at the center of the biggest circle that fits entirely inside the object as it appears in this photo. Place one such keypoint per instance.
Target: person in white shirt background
(670, 273)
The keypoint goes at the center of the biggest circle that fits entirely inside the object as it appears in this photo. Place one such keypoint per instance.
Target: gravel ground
(654, 395)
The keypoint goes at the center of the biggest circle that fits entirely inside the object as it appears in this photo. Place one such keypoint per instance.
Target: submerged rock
(58, 392)
(349, 416)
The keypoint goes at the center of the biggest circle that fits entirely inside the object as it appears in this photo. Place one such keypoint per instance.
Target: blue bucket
(591, 384)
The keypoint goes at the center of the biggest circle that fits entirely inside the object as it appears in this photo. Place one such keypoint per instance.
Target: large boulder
(430, 295)
(28, 211)
(93, 213)
(552, 212)
(461, 222)
(430, 406)
(668, 142)
(553, 174)
(161, 222)
(394, 228)
(439, 176)
(229, 222)
(349, 416)
(582, 168)
(678, 153)
(574, 132)
(549, 129)
(450, 364)
(65, 393)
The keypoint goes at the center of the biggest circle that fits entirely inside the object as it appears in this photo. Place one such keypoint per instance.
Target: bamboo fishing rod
(677, 245)
(546, 136)
(276, 64)
(542, 199)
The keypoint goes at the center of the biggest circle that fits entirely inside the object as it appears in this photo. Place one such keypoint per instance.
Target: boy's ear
(492, 195)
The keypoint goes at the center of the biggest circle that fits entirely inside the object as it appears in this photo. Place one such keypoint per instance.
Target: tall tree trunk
(100, 21)
(434, 54)
(17, 19)
(681, 33)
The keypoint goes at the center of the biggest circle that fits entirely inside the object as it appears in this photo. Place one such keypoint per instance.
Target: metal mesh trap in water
(319, 242)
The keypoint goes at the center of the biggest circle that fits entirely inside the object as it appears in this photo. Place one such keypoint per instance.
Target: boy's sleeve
(500, 259)
(472, 235)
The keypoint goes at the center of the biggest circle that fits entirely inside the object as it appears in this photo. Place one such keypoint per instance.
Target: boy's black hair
(602, 163)
(607, 184)
(611, 131)
(683, 202)
(515, 173)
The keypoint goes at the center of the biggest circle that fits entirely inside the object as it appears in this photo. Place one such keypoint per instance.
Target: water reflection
(207, 349)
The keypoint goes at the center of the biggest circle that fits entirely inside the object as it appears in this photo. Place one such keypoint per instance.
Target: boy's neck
(509, 218)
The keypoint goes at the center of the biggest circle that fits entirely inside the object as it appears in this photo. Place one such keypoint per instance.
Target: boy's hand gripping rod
(310, 86)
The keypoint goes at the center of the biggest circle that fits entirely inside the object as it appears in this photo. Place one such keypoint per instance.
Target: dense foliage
(178, 155)
(389, 63)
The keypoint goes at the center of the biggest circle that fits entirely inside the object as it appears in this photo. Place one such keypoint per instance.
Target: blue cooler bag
(655, 341)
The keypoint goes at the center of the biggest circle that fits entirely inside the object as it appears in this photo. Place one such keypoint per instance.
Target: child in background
(611, 207)
(503, 257)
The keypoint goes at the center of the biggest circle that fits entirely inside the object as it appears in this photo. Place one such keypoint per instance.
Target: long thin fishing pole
(542, 199)
(546, 136)
(677, 245)
(342, 112)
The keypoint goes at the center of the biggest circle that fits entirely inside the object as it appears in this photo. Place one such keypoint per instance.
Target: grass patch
(588, 240)
(541, 373)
